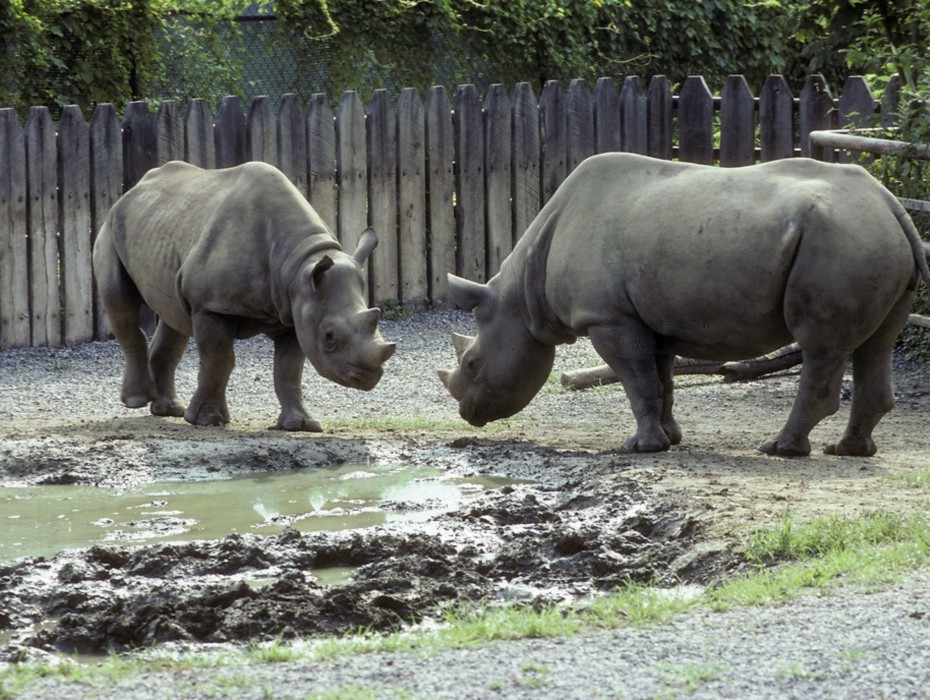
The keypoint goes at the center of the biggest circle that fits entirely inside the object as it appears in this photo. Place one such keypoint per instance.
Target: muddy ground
(574, 517)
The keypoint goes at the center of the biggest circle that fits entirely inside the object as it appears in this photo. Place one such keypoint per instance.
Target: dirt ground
(574, 518)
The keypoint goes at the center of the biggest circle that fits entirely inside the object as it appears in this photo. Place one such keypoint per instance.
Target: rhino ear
(316, 274)
(367, 242)
(465, 294)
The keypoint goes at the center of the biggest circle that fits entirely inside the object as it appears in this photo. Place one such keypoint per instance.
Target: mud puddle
(333, 548)
(42, 520)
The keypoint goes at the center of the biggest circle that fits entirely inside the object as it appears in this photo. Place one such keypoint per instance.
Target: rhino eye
(472, 367)
(330, 343)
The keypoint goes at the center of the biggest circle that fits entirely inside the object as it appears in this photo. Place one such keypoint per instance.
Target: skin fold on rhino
(653, 259)
(220, 255)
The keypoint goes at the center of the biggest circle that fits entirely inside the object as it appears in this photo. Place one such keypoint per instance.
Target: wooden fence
(449, 183)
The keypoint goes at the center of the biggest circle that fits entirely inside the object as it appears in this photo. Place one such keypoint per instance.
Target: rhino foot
(206, 416)
(167, 407)
(778, 447)
(650, 443)
(852, 447)
(298, 421)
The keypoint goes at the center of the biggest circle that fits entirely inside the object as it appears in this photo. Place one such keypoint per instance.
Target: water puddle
(43, 520)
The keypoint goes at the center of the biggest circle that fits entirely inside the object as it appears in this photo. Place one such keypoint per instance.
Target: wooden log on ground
(743, 370)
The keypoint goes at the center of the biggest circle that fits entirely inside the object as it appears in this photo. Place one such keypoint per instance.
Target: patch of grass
(688, 677)
(920, 480)
(393, 310)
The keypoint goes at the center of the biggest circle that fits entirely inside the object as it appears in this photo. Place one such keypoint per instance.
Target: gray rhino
(227, 254)
(653, 258)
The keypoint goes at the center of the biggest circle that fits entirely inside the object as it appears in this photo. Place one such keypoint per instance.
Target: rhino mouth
(356, 377)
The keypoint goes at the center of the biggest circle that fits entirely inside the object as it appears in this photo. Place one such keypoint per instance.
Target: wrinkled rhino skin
(220, 255)
(654, 258)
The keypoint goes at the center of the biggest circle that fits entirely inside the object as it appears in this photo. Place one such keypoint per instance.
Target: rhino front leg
(818, 397)
(214, 335)
(630, 350)
(164, 355)
(289, 362)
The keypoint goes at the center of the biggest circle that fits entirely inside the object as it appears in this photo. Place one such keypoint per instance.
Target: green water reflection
(43, 520)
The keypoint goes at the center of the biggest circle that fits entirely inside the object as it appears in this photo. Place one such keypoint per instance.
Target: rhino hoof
(852, 448)
(301, 421)
(774, 448)
(167, 407)
(206, 418)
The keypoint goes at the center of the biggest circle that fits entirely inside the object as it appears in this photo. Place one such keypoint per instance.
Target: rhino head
(335, 328)
(503, 367)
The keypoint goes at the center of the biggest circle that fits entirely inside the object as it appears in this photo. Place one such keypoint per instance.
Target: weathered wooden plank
(106, 154)
(381, 137)
(776, 119)
(169, 133)
(140, 146)
(42, 172)
(607, 119)
(440, 159)
(660, 118)
(199, 141)
(261, 137)
(14, 253)
(321, 158)
(498, 141)
(891, 102)
(411, 199)
(634, 116)
(229, 133)
(579, 113)
(856, 110)
(856, 104)
(696, 122)
(737, 123)
(526, 158)
(815, 111)
(553, 128)
(76, 248)
(352, 168)
(471, 254)
(292, 141)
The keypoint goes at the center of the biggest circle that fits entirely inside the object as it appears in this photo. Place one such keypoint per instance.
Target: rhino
(651, 259)
(220, 255)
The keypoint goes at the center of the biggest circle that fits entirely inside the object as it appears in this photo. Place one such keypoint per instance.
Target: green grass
(790, 559)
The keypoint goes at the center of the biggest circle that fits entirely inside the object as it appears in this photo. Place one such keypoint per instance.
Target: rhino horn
(445, 376)
(368, 320)
(387, 349)
(367, 242)
(466, 294)
(460, 343)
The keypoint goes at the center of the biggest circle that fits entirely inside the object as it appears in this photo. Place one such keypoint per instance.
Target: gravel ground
(852, 643)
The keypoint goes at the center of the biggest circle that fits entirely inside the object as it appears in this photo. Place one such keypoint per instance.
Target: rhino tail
(920, 248)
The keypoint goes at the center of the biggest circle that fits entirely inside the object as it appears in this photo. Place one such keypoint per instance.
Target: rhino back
(215, 240)
(701, 254)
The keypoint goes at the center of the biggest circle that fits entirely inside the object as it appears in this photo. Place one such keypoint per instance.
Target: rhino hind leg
(818, 397)
(873, 386)
(164, 355)
(122, 302)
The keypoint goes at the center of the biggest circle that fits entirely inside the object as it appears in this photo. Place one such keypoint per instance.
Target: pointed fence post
(411, 199)
(42, 172)
(14, 253)
(440, 188)
(498, 141)
(76, 247)
(776, 119)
